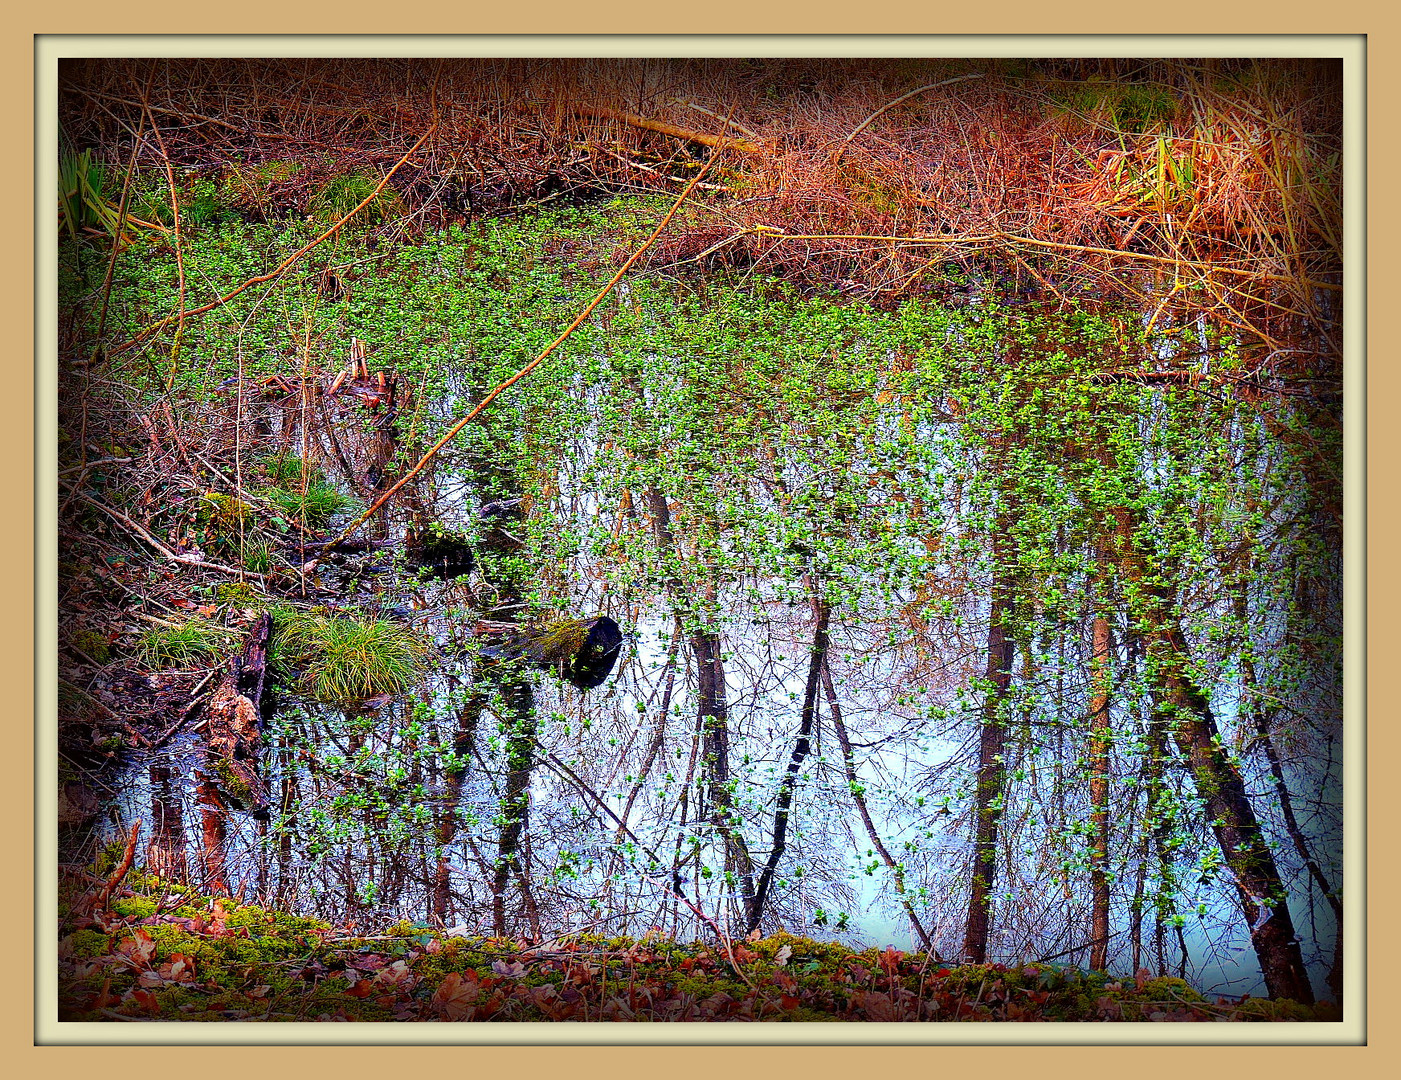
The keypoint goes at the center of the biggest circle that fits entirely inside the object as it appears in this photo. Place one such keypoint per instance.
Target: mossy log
(581, 651)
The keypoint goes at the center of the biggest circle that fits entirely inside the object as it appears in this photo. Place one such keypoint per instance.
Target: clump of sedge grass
(312, 507)
(194, 643)
(287, 469)
(345, 660)
(256, 555)
(343, 193)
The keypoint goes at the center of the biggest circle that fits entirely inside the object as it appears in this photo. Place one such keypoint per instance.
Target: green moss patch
(197, 958)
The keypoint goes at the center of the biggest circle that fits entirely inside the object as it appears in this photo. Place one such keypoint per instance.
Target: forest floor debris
(160, 953)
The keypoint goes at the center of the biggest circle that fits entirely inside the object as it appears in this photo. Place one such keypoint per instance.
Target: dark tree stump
(234, 737)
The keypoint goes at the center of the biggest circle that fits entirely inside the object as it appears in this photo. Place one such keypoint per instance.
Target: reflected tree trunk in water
(455, 773)
(711, 704)
(166, 853)
(1101, 678)
(801, 746)
(1263, 723)
(714, 713)
(992, 742)
(519, 723)
(504, 686)
(213, 834)
(1192, 724)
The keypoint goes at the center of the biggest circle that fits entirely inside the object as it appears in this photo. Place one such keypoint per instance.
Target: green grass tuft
(194, 643)
(312, 507)
(344, 661)
(284, 470)
(343, 193)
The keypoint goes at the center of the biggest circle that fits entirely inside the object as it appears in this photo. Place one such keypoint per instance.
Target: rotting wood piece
(236, 714)
(720, 142)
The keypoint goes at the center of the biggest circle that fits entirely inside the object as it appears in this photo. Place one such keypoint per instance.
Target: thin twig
(195, 696)
(674, 889)
(116, 247)
(837, 157)
(720, 142)
(179, 246)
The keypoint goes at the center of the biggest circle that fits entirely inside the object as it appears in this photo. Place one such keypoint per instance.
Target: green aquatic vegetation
(256, 554)
(89, 201)
(885, 419)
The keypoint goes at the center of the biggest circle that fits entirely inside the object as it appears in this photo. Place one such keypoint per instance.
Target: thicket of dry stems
(1186, 188)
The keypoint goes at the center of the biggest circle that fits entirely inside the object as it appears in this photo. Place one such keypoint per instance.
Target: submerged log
(447, 554)
(236, 714)
(581, 651)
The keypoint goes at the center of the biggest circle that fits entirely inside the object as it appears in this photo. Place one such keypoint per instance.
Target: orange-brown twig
(179, 241)
(109, 886)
